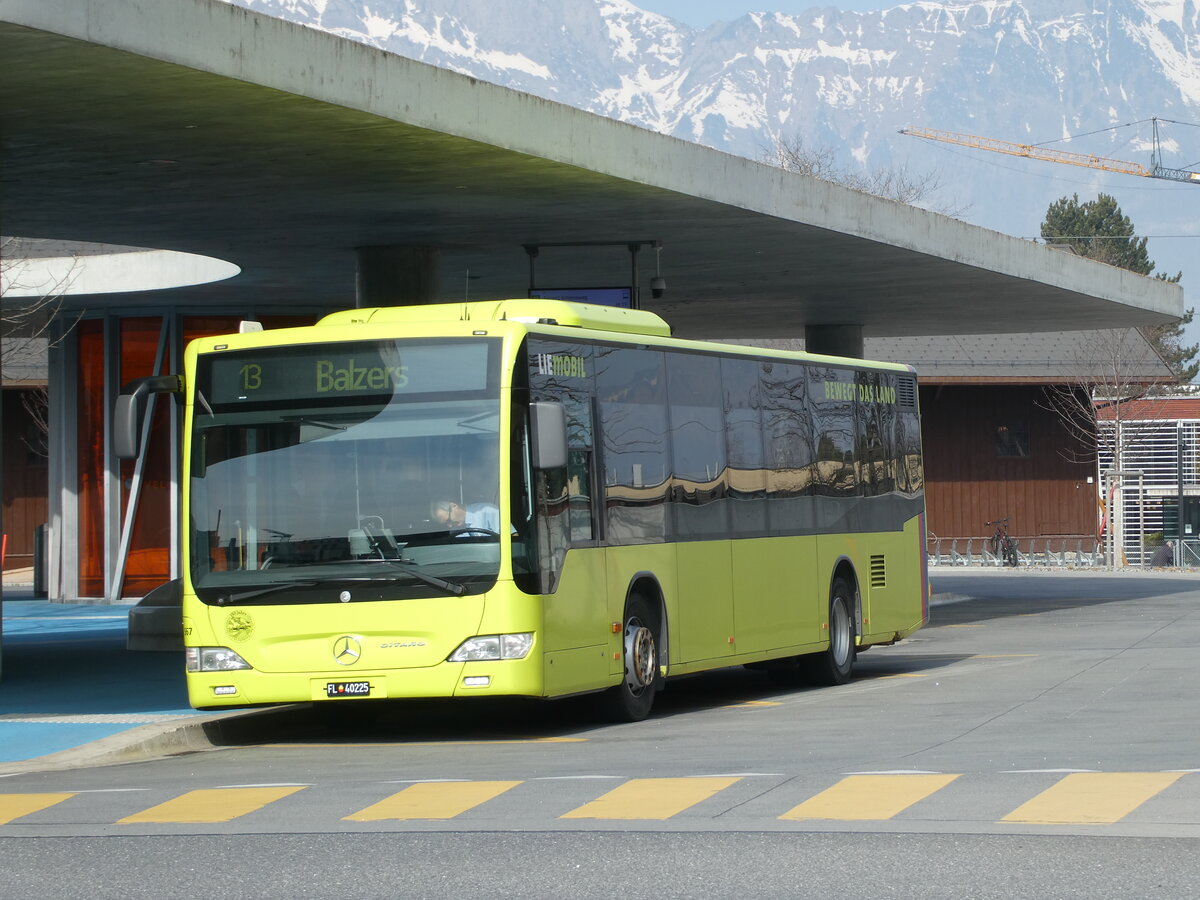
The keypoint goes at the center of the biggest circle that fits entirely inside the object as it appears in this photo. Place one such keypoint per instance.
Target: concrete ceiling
(195, 126)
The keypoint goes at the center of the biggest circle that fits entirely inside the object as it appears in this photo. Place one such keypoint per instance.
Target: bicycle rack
(937, 558)
(1040, 553)
(1088, 559)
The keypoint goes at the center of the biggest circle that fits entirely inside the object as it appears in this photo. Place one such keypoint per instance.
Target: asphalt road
(1040, 739)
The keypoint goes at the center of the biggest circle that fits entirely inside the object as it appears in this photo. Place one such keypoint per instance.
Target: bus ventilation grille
(906, 392)
(878, 572)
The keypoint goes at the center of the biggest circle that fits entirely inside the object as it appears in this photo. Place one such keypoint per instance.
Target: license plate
(348, 689)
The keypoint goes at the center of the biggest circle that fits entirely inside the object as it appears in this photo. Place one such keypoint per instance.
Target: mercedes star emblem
(346, 651)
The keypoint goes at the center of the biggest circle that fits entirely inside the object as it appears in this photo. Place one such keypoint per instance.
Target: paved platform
(71, 692)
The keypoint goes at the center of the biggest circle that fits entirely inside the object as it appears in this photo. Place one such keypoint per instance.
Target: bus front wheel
(833, 665)
(631, 700)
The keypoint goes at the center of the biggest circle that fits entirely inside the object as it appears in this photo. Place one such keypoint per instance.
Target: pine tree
(1099, 230)
(1168, 340)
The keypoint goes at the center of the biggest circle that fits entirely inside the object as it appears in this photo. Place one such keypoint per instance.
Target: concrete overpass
(195, 126)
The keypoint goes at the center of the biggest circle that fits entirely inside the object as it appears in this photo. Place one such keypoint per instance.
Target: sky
(702, 13)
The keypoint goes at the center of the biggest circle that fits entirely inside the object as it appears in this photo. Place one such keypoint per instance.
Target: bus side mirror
(548, 424)
(131, 408)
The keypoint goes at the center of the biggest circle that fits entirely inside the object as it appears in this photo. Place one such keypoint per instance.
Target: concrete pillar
(834, 340)
(397, 275)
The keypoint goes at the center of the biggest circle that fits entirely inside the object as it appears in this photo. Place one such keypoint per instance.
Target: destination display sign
(332, 373)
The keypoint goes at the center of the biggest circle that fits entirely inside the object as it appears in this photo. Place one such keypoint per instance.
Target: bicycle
(1002, 545)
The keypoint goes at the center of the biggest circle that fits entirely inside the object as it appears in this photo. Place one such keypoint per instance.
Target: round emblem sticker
(238, 625)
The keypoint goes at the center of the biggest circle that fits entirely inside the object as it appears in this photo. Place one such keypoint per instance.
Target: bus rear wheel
(632, 699)
(834, 665)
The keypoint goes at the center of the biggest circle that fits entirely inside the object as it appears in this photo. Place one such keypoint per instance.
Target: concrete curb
(162, 739)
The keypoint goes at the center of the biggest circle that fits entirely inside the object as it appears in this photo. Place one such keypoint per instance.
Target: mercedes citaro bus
(533, 498)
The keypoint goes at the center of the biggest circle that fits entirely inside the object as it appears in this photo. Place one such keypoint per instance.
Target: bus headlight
(494, 646)
(213, 659)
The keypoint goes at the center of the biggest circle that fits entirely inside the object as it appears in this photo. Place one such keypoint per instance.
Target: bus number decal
(251, 377)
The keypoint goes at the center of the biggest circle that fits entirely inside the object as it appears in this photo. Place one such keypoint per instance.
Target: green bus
(534, 498)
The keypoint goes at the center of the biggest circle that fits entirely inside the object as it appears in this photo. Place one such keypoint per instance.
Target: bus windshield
(346, 471)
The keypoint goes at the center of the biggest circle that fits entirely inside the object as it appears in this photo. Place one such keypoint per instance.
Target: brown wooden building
(994, 445)
(25, 449)
(994, 451)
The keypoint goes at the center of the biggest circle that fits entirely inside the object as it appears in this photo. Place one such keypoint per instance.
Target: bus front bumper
(508, 677)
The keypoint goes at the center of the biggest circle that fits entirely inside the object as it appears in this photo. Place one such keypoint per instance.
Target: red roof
(1151, 409)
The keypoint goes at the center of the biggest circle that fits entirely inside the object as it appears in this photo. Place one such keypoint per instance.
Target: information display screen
(321, 374)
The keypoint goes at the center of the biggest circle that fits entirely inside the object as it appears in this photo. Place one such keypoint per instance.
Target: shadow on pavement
(500, 720)
(1016, 593)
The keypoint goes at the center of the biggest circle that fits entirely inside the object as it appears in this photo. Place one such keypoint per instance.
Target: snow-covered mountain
(1018, 70)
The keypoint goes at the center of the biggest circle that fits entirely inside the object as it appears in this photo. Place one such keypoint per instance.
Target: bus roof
(530, 312)
(539, 314)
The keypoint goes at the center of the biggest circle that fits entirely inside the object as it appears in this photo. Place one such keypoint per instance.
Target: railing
(1188, 553)
(1053, 553)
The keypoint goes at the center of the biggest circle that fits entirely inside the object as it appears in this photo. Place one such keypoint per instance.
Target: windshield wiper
(263, 591)
(204, 402)
(400, 565)
(306, 420)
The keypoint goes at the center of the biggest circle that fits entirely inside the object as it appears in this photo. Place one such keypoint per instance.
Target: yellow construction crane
(1087, 160)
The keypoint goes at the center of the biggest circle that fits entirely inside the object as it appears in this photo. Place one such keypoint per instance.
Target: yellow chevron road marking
(213, 805)
(869, 797)
(14, 806)
(651, 798)
(1092, 798)
(433, 800)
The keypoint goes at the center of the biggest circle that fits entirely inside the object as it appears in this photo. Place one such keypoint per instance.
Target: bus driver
(454, 515)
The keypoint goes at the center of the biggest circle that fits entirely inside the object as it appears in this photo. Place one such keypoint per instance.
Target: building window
(1012, 439)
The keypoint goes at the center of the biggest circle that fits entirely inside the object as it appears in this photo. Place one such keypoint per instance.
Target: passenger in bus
(454, 515)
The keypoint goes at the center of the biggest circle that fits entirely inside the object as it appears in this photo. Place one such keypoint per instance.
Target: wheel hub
(840, 637)
(641, 659)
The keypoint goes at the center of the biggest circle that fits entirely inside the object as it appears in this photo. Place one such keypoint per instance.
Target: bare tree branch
(31, 298)
(896, 183)
(1110, 371)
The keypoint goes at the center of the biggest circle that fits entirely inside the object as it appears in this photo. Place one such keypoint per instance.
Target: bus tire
(834, 664)
(632, 699)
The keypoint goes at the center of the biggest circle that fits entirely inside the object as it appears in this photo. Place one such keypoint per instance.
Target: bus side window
(908, 438)
(564, 498)
(631, 392)
(877, 433)
(793, 443)
(747, 473)
(834, 393)
(697, 442)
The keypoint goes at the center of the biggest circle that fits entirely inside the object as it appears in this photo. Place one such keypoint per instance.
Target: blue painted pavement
(67, 678)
